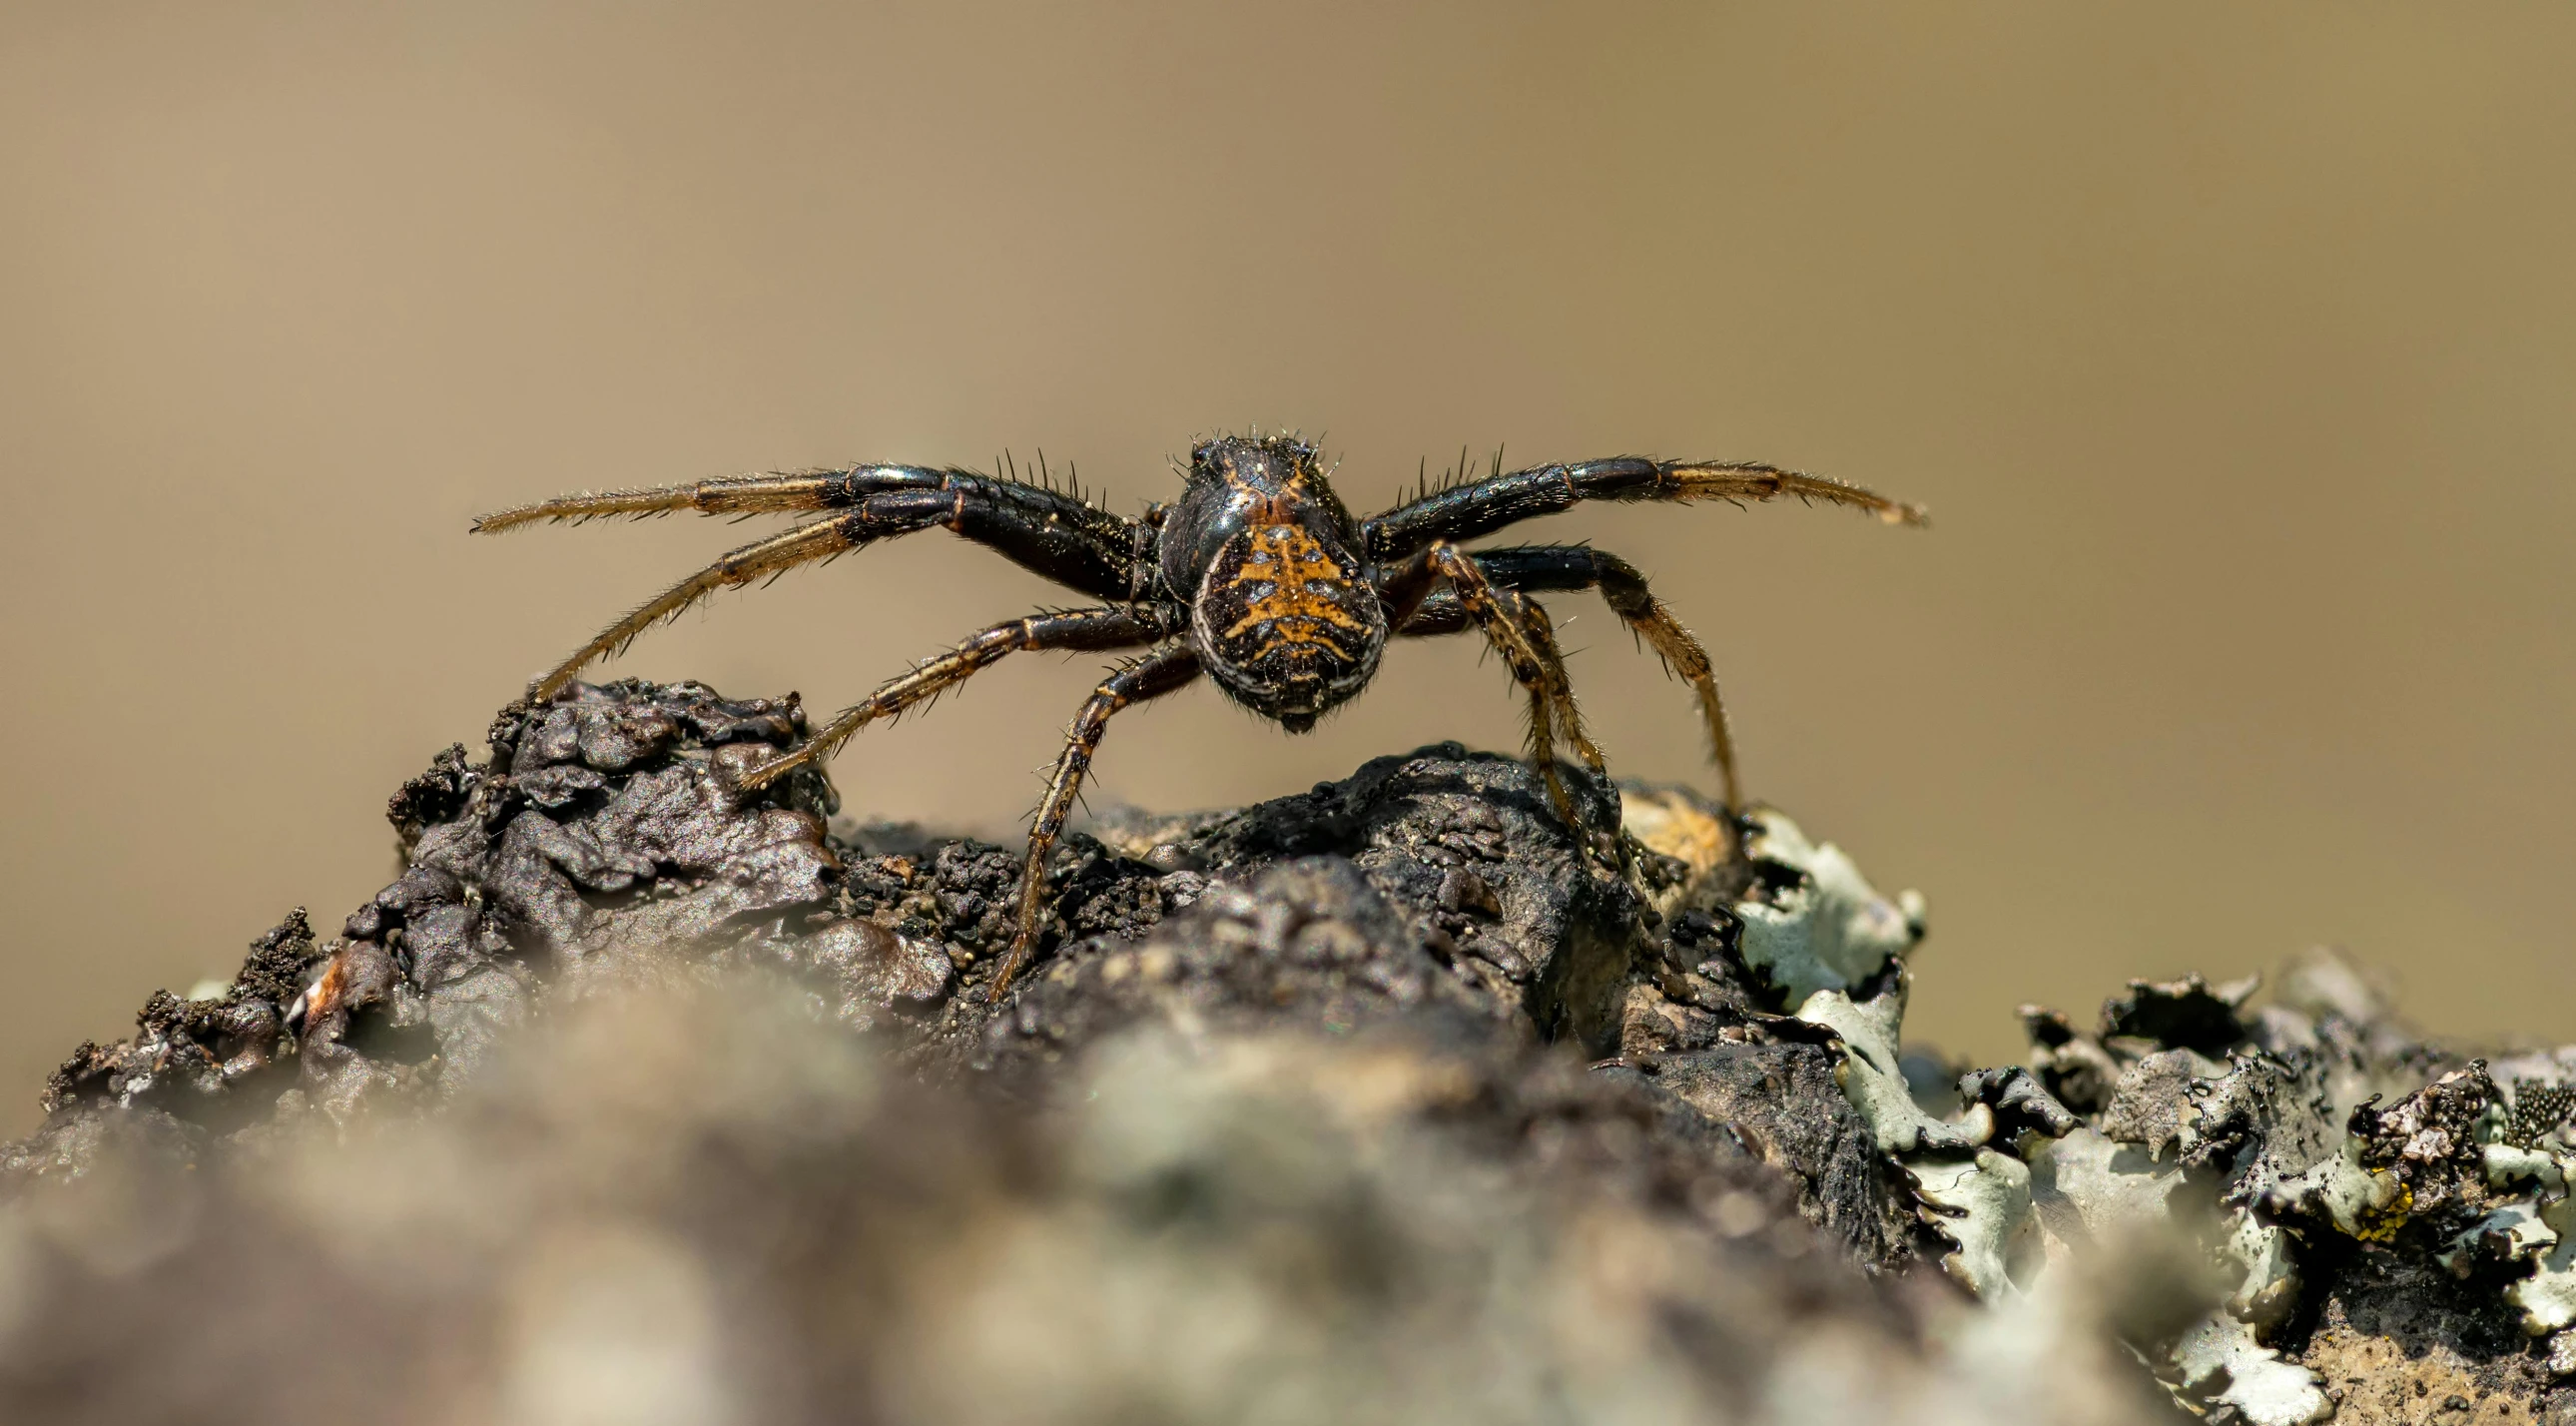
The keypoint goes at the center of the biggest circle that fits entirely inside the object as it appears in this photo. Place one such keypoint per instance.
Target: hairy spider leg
(1083, 629)
(1149, 677)
(1623, 587)
(1480, 507)
(1439, 615)
(972, 507)
(775, 555)
(787, 491)
(1518, 629)
(761, 493)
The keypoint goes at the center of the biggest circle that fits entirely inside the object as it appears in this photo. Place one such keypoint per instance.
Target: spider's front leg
(1623, 588)
(1150, 677)
(1480, 507)
(1045, 531)
(1519, 630)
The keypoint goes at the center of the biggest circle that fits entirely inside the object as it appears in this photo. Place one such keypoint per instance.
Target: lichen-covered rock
(1825, 927)
(633, 1097)
(2373, 1197)
(636, 1097)
(685, 1202)
(1781, 1102)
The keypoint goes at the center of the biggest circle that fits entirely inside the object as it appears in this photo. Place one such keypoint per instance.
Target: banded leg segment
(766, 492)
(760, 559)
(1076, 629)
(1438, 615)
(1572, 567)
(1086, 559)
(1519, 630)
(1149, 677)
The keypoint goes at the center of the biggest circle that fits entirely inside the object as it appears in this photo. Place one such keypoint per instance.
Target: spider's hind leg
(1150, 677)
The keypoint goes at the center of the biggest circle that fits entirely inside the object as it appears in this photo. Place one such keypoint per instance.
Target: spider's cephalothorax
(1281, 610)
(1257, 576)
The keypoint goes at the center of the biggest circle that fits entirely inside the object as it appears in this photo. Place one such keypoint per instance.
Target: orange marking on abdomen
(1287, 558)
(1299, 633)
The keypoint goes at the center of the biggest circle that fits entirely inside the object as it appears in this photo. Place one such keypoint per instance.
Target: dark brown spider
(1257, 576)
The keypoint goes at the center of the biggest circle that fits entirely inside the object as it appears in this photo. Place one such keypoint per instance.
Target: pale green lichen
(2512, 1233)
(2510, 1164)
(2269, 1288)
(2547, 1298)
(2159, 1105)
(2541, 1229)
(2365, 1204)
(2110, 1190)
(1977, 1199)
(1875, 1085)
(2222, 1358)
(2008, 1219)
(2219, 1361)
(1982, 1205)
(1830, 931)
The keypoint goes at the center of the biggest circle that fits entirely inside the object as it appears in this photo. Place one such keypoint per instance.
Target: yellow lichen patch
(1676, 824)
(2380, 1225)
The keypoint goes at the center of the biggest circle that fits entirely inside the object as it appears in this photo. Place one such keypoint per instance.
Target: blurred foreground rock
(632, 1100)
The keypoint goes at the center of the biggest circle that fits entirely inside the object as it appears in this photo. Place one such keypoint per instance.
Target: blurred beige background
(2231, 346)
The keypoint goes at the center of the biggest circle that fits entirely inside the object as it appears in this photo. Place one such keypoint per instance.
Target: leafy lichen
(1829, 929)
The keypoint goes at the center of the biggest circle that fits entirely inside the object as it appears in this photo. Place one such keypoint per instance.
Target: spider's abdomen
(1285, 623)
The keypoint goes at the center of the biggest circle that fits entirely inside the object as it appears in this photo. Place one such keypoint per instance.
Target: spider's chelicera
(1258, 576)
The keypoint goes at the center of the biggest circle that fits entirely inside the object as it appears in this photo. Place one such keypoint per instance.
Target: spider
(1257, 576)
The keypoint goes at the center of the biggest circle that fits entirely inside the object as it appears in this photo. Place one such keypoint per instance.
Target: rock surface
(636, 1099)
